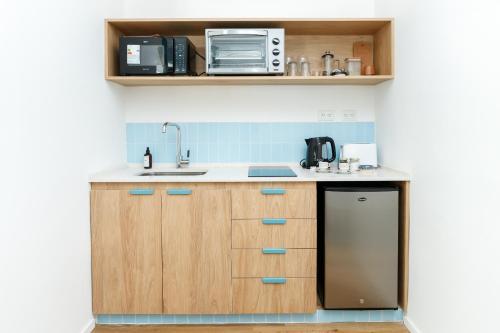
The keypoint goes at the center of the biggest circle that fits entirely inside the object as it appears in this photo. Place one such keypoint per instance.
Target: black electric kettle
(315, 151)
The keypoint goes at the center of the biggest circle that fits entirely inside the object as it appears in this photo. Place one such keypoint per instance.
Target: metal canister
(327, 63)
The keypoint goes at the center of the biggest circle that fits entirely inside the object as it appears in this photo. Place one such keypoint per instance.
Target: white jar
(353, 66)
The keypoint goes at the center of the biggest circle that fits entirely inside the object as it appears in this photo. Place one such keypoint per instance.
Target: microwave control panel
(184, 56)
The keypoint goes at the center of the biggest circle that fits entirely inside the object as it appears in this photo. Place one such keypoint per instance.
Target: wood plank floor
(269, 328)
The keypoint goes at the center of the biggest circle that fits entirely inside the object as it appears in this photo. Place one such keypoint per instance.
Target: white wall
(252, 9)
(268, 103)
(439, 120)
(252, 104)
(59, 122)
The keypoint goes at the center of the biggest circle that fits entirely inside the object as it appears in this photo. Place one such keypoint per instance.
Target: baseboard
(320, 316)
(410, 325)
(89, 327)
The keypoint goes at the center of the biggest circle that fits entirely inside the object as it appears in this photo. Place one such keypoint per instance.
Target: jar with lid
(327, 63)
(305, 66)
(344, 165)
(353, 66)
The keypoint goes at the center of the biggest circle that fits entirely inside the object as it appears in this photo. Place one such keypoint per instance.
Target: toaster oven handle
(224, 32)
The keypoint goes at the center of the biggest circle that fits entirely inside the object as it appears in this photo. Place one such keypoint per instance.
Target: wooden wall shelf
(304, 37)
(246, 80)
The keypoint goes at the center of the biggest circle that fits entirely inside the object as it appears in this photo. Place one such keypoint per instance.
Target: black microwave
(157, 55)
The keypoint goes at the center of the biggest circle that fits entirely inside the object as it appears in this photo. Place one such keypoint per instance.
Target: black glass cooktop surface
(270, 171)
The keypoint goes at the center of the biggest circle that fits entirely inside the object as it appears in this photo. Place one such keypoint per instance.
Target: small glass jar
(292, 68)
(354, 164)
(353, 66)
(344, 165)
(305, 66)
(305, 69)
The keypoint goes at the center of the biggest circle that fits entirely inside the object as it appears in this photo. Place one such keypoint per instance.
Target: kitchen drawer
(248, 263)
(278, 295)
(272, 202)
(284, 233)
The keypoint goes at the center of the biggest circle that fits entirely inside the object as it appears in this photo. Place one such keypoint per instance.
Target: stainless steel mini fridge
(360, 248)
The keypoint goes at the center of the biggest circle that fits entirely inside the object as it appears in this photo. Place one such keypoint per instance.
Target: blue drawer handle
(141, 191)
(273, 280)
(179, 191)
(272, 191)
(273, 221)
(271, 250)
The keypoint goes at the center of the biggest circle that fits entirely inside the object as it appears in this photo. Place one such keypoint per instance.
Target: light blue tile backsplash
(321, 316)
(240, 142)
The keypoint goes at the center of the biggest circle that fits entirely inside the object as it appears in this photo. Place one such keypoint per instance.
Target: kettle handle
(334, 152)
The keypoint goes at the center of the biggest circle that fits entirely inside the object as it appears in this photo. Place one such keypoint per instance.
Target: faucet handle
(185, 162)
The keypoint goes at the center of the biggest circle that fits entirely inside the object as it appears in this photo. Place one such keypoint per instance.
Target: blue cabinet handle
(273, 280)
(272, 191)
(141, 191)
(179, 191)
(273, 221)
(270, 250)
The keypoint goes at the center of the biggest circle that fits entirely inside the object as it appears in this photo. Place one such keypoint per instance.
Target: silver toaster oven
(245, 51)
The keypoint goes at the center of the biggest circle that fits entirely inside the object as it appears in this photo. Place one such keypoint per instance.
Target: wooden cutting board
(363, 50)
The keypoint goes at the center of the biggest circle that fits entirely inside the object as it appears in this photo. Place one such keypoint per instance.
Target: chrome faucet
(179, 161)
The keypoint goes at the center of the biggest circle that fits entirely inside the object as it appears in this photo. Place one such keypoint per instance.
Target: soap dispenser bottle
(148, 159)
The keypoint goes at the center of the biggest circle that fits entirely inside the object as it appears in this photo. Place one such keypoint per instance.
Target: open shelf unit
(304, 37)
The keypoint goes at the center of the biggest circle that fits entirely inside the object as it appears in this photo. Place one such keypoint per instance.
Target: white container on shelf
(353, 66)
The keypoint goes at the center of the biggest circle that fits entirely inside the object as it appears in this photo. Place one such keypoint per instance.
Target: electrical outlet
(327, 115)
(349, 115)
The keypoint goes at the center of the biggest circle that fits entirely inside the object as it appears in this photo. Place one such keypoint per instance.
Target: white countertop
(239, 173)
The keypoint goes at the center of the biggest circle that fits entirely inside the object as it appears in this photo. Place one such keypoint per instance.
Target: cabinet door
(126, 251)
(196, 226)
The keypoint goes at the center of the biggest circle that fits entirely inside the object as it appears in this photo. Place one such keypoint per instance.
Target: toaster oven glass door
(238, 53)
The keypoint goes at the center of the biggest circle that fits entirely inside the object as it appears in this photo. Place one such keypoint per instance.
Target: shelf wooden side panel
(111, 46)
(246, 80)
(383, 48)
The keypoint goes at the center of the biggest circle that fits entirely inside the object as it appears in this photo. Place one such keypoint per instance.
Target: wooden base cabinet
(126, 251)
(196, 228)
(192, 248)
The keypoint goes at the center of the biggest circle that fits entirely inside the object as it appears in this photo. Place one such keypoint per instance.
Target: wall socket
(327, 115)
(349, 115)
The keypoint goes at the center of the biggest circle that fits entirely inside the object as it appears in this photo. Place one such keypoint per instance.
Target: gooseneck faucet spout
(179, 161)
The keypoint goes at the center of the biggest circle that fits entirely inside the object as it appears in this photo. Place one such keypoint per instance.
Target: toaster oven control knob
(276, 62)
(276, 41)
(276, 52)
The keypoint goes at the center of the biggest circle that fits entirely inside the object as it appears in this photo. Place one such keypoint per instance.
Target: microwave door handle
(237, 32)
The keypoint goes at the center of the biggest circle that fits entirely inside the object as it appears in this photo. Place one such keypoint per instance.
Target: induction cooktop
(270, 171)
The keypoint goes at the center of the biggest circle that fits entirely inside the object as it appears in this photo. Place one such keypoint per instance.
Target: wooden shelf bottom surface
(246, 80)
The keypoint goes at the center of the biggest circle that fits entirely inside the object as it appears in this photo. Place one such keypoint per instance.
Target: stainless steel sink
(175, 172)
